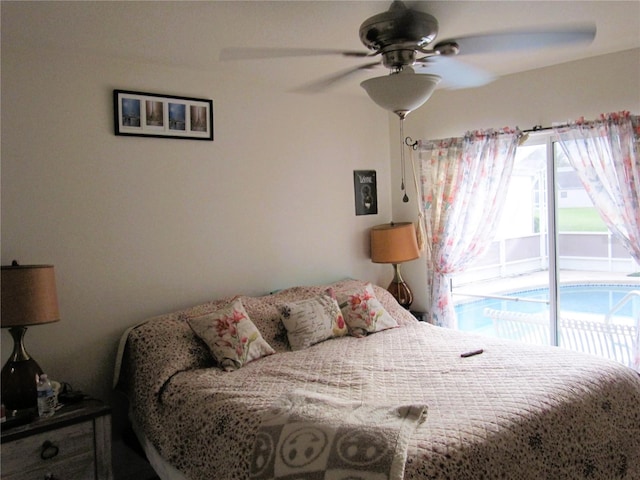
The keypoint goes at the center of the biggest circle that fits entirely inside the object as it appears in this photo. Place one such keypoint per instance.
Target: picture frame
(365, 192)
(143, 114)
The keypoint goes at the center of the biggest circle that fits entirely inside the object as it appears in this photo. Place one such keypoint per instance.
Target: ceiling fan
(404, 38)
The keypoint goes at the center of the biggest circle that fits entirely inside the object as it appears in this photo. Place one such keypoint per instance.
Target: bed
(371, 393)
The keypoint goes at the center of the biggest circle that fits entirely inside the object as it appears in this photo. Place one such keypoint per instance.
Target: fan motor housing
(397, 58)
(397, 27)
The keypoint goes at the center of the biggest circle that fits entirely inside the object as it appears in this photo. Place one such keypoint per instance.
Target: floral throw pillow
(311, 321)
(363, 312)
(231, 336)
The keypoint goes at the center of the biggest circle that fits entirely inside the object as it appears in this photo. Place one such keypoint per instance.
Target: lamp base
(399, 288)
(20, 376)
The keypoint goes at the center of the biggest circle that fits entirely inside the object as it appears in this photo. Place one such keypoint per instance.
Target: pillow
(363, 312)
(231, 336)
(312, 320)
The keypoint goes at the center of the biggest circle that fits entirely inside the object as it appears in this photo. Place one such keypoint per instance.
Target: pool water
(581, 298)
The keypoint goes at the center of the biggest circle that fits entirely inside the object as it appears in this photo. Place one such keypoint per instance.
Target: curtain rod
(536, 128)
(409, 142)
(540, 128)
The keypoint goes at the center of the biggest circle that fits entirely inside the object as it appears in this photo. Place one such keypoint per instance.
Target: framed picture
(365, 192)
(152, 115)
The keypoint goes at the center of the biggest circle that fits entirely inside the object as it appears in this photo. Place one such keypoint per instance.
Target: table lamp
(395, 243)
(28, 298)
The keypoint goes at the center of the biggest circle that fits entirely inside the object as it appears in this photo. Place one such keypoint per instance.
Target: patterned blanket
(308, 435)
(516, 411)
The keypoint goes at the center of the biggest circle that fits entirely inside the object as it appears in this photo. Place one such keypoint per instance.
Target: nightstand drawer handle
(49, 450)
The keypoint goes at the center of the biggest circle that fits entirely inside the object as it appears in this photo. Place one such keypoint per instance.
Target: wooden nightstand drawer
(73, 444)
(65, 453)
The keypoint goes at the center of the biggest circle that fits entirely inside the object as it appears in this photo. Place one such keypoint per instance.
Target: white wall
(560, 93)
(140, 226)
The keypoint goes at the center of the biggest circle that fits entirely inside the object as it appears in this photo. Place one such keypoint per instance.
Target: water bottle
(46, 399)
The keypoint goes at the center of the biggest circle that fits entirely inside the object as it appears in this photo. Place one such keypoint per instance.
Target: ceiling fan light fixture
(403, 92)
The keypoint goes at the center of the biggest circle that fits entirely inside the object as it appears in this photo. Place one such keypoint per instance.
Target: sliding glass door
(554, 274)
(599, 287)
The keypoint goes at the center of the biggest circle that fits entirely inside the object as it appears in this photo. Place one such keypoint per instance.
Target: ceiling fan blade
(255, 53)
(523, 40)
(331, 80)
(455, 74)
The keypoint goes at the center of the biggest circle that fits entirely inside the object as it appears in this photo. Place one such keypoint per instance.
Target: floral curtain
(606, 155)
(464, 184)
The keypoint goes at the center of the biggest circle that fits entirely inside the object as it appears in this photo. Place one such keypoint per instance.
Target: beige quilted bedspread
(515, 412)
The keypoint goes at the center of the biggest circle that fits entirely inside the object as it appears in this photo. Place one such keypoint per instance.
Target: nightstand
(73, 444)
(421, 316)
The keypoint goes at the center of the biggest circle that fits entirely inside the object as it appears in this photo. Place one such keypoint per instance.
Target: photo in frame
(152, 115)
(365, 192)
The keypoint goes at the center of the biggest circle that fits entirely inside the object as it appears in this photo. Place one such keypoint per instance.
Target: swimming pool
(592, 298)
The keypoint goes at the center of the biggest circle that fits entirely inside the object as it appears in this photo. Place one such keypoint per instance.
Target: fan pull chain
(405, 198)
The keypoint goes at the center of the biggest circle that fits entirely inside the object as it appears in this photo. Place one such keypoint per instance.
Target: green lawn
(580, 220)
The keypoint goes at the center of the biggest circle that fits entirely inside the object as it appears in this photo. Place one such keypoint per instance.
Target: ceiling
(190, 35)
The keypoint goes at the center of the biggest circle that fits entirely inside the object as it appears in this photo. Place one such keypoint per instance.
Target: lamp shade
(394, 243)
(401, 92)
(29, 295)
